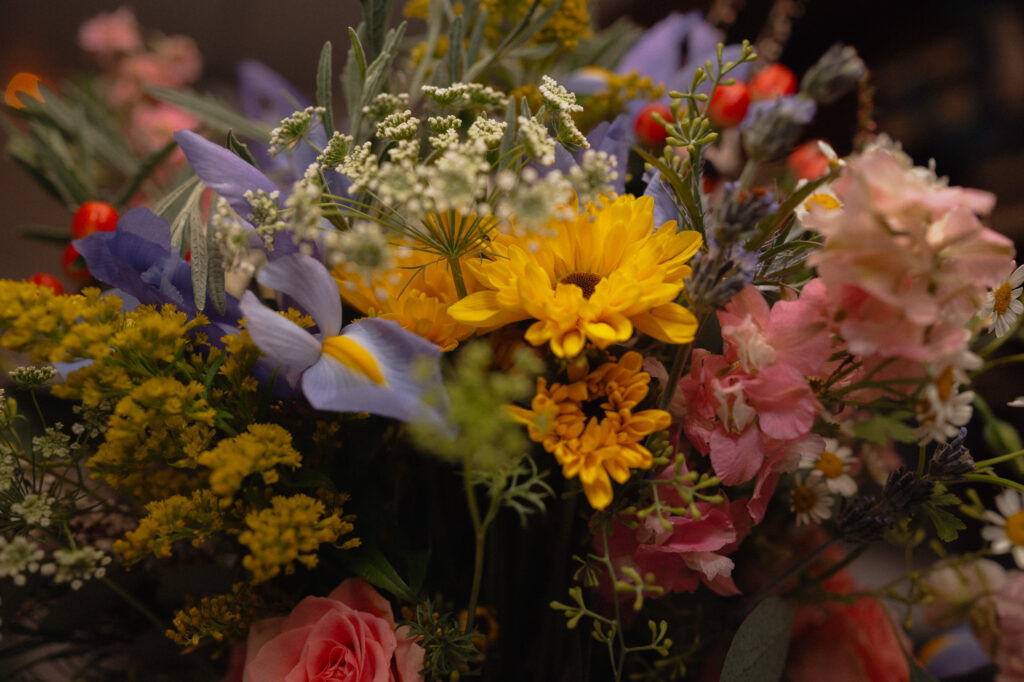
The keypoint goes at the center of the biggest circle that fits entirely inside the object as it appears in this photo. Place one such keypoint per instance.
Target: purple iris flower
(371, 365)
(137, 259)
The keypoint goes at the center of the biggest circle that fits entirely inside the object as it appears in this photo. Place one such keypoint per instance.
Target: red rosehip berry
(729, 105)
(807, 161)
(74, 264)
(45, 279)
(648, 131)
(93, 216)
(774, 80)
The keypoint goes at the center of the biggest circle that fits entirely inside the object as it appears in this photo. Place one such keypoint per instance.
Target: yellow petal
(482, 310)
(670, 322)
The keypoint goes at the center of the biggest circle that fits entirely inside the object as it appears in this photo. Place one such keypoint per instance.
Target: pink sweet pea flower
(348, 636)
(154, 125)
(109, 33)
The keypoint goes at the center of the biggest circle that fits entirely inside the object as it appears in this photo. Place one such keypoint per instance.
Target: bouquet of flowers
(526, 351)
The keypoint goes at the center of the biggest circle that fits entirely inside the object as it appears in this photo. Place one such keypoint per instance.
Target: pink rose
(348, 636)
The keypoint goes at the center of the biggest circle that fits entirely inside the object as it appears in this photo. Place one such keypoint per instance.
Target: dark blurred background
(949, 74)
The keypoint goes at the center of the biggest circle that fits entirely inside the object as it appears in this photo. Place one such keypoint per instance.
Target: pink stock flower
(687, 553)
(109, 33)
(348, 636)
(180, 58)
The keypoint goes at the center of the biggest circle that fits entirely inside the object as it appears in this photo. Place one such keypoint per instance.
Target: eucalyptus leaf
(197, 247)
(323, 89)
(371, 565)
(758, 651)
(375, 16)
(181, 189)
(454, 50)
(352, 78)
(433, 36)
(376, 76)
(215, 113)
(508, 138)
(182, 222)
(215, 273)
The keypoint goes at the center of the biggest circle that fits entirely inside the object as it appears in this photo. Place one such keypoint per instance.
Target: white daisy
(1007, 535)
(834, 466)
(942, 408)
(823, 199)
(1002, 304)
(810, 499)
(1016, 402)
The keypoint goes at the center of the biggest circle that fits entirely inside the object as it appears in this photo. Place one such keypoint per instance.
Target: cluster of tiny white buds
(232, 237)
(304, 212)
(266, 211)
(463, 95)
(363, 249)
(405, 151)
(557, 98)
(459, 178)
(536, 140)
(34, 510)
(569, 134)
(400, 125)
(399, 184)
(8, 467)
(293, 129)
(336, 150)
(360, 166)
(594, 176)
(75, 566)
(487, 130)
(439, 124)
(445, 140)
(53, 444)
(533, 201)
(34, 375)
(18, 557)
(386, 103)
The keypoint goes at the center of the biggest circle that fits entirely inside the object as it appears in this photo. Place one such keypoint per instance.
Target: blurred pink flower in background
(109, 33)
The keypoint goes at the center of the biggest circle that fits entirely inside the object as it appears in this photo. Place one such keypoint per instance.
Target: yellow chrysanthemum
(595, 277)
(416, 294)
(590, 428)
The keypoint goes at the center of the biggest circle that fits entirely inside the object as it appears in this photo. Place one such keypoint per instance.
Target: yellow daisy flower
(593, 277)
(590, 428)
(416, 294)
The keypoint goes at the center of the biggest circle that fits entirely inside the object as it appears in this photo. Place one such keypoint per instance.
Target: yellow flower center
(1002, 299)
(1015, 528)
(355, 357)
(587, 281)
(944, 383)
(830, 465)
(803, 498)
(826, 201)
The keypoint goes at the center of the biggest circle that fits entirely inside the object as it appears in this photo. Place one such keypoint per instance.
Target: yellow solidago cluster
(194, 518)
(159, 422)
(55, 328)
(216, 618)
(594, 277)
(609, 103)
(590, 427)
(569, 23)
(291, 530)
(257, 451)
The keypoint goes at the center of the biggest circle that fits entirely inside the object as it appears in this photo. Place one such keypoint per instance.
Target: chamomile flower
(810, 498)
(1007, 533)
(1002, 304)
(834, 466)
(823, 199)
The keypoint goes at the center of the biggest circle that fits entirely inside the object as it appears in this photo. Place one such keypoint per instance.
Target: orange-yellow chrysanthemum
(416, 294)
(593, 278)
(590, 427)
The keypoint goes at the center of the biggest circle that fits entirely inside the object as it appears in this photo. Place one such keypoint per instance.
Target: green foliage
(758, 651)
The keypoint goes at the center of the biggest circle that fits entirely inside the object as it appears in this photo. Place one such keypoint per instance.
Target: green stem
(792, 571)
(996, 480)
(840, 565)
(460, 283)
(135, 604)
(480, 533)
(1005, 360)
(606, 559)
(747, 176)
(992, 461)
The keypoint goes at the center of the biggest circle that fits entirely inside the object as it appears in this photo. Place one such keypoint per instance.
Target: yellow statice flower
(257, 451)
(593, 277)
(416, 293)
(590, 427)
(291, 529)
(194, 518)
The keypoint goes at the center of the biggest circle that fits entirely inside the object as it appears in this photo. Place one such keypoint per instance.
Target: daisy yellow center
(1015, 528)
(944, 383)
(830, 465)
(355, 357)
(826, 201)
(1002, 297)
(803, 498)
(586, 281)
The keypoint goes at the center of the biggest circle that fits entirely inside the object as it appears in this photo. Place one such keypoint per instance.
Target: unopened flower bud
(905, 492)
(772, 126)
(835, 74)
(951, 460)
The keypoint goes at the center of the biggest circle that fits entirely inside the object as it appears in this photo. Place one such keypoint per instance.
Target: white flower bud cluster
(532, 200)
(293, 129)
(487, 130)
(464, 95)
(401, 125)
(536, 140)
(385, 104)
(33, 376)
(53, 444)
(594, 176)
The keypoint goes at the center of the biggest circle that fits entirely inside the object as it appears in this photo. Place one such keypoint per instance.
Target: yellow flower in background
(416, 294)
(590, 427)
(594, 277)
